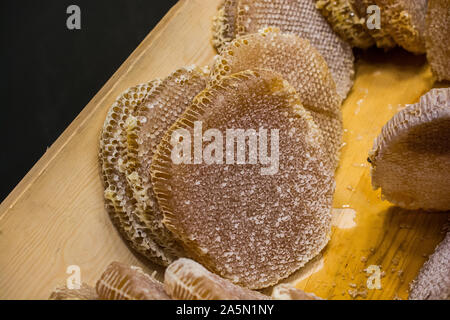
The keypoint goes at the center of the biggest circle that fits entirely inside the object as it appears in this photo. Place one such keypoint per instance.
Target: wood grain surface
(55, 217)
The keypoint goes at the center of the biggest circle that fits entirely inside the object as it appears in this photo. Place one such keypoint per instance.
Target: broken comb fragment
(85, 292)
(186, 279)
(122, 282)
(289, 292)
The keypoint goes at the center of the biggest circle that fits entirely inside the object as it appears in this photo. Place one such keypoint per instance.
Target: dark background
(49, 73)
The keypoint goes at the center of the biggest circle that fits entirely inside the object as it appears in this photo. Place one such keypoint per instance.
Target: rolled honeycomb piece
(144, 129)
(301, 17)
(251, 221)
(343, 18)
(224, 24)
(118, 195)
(186, 279)
(381, 36)
(301, 65)
(85, 292)
(411, 157)
(433, 281)
(122, 282)
(405, 22)
(436, 38)
(289, 292)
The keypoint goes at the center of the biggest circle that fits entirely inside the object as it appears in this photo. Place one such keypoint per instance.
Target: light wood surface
(55, 217)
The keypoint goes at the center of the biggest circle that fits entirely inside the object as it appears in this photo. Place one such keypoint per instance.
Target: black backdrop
(49, 73)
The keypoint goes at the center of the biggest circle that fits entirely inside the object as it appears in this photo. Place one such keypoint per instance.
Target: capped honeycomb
(224, 24)
(436, 38)
(289, 292)
(302, 18)
(85, 292)
(343, 18)
(186, 279)
(122, 282)
(405, 22)
(144, 130)
(251, 223)
(381, 36)
(411, 156)
(119, 200)
(301, 65)
(433, 281)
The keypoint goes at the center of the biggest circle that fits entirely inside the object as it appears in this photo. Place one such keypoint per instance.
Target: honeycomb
(301, 65)
(405, 22)
(255, 229)
(411, 156)
(433, 281)
(436, 38)
(86, 292)
(144, 130)
(186, 279)
(288, 292)
(381, 36)
(118, 195)
(224, 24)
(121, 282)
(301, 18)
(343, 18)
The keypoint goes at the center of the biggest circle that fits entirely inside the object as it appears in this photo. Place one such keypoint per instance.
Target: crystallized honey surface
(85, 292)
(343, 18)
(119, 200)
(405, 22)
(186, 279)
(301, 65)
(249, 223)
(411, 157)
(437, 37)
(144, 130)
(381, 36)
(302, 18)
(122, 282)
(288, 292)
(224, 24)
(433, 282)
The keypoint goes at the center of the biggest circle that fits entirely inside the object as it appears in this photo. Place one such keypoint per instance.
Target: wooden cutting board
(55, 217)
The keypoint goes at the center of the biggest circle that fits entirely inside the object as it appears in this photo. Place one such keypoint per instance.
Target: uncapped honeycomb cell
(224, 24)
(144, 130)
(380, 35)
(343, 18)
(302, 18)
(122, 282)
(301, 65)
(433, 281)
(85, 292)
(289, 292)
(118, 195)
(405, 22)
(411, 156)
(252, 223)
(186, 279)
(437, 35)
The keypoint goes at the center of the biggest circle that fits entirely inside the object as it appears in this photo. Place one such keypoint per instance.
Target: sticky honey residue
(343, 218)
